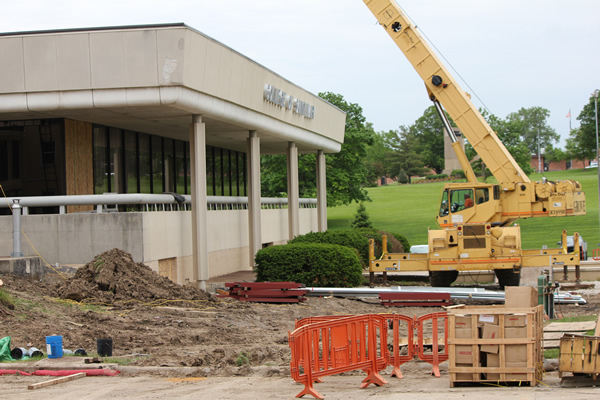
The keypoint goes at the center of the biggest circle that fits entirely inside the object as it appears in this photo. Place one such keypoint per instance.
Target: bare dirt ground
(219, 348)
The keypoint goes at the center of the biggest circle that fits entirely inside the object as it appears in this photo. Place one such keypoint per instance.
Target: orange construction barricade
(395, 359)
(436, 357)
(338, 345)
(312, 320)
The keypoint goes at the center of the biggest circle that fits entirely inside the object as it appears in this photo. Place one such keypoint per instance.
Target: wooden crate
(529, 348)
(579, 354)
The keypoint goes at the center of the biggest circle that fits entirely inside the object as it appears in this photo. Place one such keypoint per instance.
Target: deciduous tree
(346, 171)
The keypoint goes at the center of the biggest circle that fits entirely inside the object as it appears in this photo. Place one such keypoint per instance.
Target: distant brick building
(556, 165)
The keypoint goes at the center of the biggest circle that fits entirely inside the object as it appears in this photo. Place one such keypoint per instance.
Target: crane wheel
(442, 278)
(508, 277)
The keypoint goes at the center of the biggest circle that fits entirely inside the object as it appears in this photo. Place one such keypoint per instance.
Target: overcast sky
(512, 53)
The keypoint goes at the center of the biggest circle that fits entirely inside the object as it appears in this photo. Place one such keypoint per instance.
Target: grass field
(411, 209)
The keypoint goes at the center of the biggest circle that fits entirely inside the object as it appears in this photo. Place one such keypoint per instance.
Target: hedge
(437, 176)
(313, 264)
(348, 238)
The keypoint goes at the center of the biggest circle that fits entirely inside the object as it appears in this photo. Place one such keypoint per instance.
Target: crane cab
(468, 203)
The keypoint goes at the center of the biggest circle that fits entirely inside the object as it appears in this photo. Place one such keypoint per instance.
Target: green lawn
(411, 209)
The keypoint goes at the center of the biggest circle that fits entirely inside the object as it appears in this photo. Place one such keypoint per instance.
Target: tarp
(5, 349)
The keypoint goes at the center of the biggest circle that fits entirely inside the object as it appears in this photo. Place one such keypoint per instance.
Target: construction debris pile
(114, 278)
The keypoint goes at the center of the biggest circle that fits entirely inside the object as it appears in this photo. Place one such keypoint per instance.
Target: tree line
(413, 150)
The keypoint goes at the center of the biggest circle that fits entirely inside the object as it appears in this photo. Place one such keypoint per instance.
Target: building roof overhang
(170, 77)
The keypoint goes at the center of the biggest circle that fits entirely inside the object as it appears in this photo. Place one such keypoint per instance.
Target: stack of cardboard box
(494, 343)
(515, 326)
(464, 354)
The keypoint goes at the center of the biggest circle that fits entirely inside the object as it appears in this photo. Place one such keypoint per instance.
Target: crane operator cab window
(459, 200)
(482, 196)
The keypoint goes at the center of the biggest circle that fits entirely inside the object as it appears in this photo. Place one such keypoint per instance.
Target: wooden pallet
(266, 292)
(580, 354)
(554, 331)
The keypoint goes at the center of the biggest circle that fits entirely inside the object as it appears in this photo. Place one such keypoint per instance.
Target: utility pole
(539, 153)
(595, 94)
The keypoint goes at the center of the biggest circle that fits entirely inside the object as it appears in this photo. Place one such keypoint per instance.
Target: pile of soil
(114, 278)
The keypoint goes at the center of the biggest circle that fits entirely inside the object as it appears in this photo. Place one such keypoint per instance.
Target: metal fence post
(16, 210)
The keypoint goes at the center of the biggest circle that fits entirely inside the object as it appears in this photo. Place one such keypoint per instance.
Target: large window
(116, 170)
(145, 171)
(225, 172)
(131, 163)
(157, 164)
(134, 162)
(180, 167)
(32, 159)
(101, 156)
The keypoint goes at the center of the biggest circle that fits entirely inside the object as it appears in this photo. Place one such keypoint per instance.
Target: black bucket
(80, 353)
(18, 352)
(104, 347)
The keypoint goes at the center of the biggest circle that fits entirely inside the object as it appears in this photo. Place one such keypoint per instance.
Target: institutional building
(151, 110)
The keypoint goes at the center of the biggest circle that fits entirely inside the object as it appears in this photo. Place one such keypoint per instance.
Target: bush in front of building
(404, 243)
(312, 264)
(349, 238)
(396, 243)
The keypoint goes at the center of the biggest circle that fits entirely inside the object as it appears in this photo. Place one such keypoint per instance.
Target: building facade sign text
(288, 102)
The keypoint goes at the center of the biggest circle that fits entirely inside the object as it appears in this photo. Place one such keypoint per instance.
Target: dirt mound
(114, 278)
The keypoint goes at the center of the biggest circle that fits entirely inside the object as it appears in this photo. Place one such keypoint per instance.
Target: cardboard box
(463, 333)
(463, 354)
(520, 297)
(490, 332)
(516, 377)
(462, 322)
(514, 332)
(464, 376)
(516, 353)
(515, 320)
(491, 319)
(493, 361)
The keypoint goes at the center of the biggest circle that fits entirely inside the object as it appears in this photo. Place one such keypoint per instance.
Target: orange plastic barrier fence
(395, 359)
(596, 254)
(338, 345)
(436, 357)
(313, 320)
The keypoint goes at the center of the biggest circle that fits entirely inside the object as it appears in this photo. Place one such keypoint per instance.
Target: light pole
(595, 94)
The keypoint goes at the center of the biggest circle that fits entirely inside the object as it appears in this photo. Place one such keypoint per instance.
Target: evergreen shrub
(312, 264)
(349, 238)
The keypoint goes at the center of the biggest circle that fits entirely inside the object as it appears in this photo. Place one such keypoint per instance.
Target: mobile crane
(476, 219)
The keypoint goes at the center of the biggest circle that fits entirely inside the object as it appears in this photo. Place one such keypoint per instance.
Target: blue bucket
(54, 346)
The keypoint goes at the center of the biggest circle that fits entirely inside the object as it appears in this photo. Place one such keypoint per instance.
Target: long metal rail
(455, 293)
(151, 202)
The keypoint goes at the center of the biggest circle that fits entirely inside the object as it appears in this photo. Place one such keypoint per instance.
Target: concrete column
(321, 192)
(254, 226)
(199, 210)
(293, 191)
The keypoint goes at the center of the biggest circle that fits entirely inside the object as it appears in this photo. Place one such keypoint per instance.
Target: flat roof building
(154, 109)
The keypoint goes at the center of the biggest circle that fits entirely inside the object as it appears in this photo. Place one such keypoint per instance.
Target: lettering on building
(288, 102)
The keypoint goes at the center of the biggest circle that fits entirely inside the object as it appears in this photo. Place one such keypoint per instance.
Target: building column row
(200, 272)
